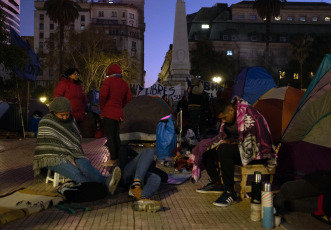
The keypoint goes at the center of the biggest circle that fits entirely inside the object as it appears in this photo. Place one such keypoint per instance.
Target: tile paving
(183, 208)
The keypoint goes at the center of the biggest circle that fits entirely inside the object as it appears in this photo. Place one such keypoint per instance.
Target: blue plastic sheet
(166, 138)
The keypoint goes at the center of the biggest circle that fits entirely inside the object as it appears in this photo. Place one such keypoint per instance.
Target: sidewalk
(183, 207)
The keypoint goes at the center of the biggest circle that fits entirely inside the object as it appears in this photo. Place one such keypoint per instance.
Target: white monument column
(180, 63)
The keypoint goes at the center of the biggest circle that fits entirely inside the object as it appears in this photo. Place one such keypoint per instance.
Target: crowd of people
(240, 136)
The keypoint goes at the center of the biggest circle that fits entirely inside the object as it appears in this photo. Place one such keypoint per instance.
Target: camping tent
(252, 83)
(278, 106)
(142, 115)
(306, 143)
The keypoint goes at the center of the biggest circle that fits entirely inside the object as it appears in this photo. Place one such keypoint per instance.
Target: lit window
(278, 18)
(234, 37)
(205, 26)
(252, 17)
(82, 27)
(290, 18)
(327, 19)
(229, 53)
(240, 17)
(314, 19)
(225, 37)
(302, 19)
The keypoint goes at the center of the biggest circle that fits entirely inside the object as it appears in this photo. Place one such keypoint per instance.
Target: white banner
(157, 89)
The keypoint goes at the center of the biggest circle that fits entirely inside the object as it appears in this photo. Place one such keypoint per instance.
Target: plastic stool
(56, 178)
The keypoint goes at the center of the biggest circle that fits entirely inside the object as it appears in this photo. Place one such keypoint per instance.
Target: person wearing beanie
(113, 96)
(70, 86)
(59, 149)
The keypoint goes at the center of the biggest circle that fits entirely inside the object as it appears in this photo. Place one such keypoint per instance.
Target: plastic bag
(166, 138)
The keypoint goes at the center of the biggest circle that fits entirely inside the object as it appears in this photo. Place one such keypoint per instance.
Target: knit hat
(60, 105)
(195, 81)
(114, 69)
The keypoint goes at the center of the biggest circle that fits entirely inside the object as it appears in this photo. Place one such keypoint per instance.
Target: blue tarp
(252, 83)
(33, 66)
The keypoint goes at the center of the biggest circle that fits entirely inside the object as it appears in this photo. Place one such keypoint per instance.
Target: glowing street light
(217, 79)
(43, 99)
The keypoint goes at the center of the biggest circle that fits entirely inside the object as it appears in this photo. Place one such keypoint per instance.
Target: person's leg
(109, 127)
(151, 186)
(70, 171)
(209, 161)
(92, 173)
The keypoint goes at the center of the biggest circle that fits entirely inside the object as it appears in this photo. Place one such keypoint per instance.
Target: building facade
(240, 33)
(122, 21)
(11, 10)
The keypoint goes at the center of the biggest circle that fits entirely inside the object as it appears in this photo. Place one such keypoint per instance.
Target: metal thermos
(256, 197)
(267, 213)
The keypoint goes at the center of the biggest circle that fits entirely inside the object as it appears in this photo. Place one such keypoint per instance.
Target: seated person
(141, 177)
(59, 148)
(244, 136)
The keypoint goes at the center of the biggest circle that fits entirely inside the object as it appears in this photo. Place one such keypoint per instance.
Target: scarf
(58, 141)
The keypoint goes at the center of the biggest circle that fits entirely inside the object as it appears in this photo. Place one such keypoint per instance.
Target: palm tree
(301, 47)
(267, 9)
(62, 12)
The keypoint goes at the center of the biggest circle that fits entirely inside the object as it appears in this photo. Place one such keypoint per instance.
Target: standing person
(114, 95)
(59, 148)
(244, 136)
(70, 86)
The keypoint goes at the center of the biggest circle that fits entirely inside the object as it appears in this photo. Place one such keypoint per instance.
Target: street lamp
(43, 99)
(217, 79)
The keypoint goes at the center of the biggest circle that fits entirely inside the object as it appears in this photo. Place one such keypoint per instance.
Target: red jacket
(114, 95)
(75, 94)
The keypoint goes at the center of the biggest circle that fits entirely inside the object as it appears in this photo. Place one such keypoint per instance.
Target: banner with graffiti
(157, 89)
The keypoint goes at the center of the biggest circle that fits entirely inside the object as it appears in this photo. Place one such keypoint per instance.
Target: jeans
(138, 169)
(112, 130)
(84, 172)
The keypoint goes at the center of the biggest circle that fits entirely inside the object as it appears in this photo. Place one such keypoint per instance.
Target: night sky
(159, 19)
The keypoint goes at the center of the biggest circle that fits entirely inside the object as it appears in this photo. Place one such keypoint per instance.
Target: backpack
(83, 192)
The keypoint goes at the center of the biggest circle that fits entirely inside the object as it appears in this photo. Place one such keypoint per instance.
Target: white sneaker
(146, 205)
(112, 180)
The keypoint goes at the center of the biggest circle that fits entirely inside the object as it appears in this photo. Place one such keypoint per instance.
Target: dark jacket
(74, 92)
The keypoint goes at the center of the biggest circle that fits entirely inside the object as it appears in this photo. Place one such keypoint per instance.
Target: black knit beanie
(60, 105)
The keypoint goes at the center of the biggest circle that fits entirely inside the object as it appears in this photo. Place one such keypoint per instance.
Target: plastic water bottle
(256, 197)
(267, 213)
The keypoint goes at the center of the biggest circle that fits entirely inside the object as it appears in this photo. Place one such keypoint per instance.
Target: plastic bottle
(267, 207)
(256, 197)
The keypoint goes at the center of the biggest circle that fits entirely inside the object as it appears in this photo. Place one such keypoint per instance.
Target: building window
(253, 38)
(240, 17)
(51, 26)
(289, 18)
(282, 39)
(252, 17)
(41, 35)
(51, 35)
(41, 26)
(225, 37)
(278, 18)
(204, 26)
(101, 14)
(314, 19)
(82, 18)
(82, 27)
(234, 37)
(229, 52)
(123, 22)
(41, 45)
(41, 17)
(123, 15)
(114, 14)
(134, 45)
(327, 19)
(131, 16)
(302, 19)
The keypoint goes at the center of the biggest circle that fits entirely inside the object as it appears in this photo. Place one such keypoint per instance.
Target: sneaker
(135, 191)
(109, 163)
(226, 199)
(146, 205)
(211, 188)
(112, 180)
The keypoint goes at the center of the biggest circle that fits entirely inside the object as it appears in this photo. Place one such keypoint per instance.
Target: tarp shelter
(278, 106)
(142, 115)
(306, 143)
(252, 83)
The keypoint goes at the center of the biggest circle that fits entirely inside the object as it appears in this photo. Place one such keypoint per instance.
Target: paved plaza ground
(183, 208)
